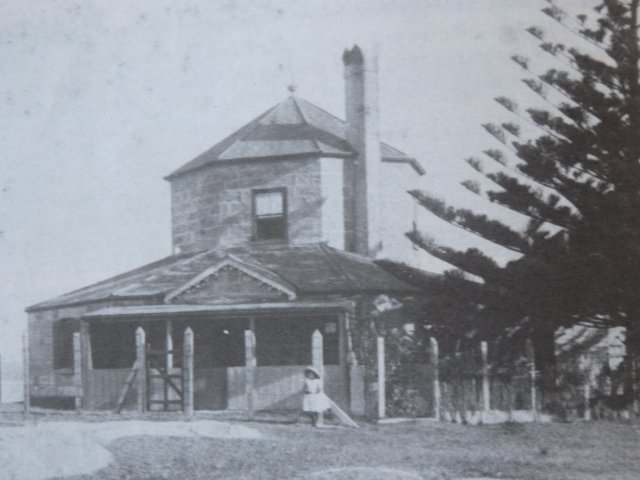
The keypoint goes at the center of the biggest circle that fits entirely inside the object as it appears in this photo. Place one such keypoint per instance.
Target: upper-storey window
(270, 214)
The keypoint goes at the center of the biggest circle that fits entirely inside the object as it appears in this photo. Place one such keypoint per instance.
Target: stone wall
(212, 206)
(333, 207)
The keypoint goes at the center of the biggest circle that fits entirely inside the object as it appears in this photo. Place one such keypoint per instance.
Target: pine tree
(578, 182)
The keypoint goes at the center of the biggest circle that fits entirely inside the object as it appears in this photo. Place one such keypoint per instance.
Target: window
(63, 331)
(113, 344)
(270, 214)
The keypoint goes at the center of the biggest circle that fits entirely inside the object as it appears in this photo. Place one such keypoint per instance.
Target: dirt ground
(38, 451)
(213, 447)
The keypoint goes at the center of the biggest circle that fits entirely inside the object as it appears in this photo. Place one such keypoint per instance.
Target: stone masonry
(211, 206)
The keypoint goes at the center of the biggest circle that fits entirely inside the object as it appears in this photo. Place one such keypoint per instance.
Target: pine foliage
(578, 181)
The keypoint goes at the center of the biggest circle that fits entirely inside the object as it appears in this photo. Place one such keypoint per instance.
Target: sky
(102, 99)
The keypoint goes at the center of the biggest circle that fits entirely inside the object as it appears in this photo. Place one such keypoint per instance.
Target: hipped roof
(308, 269)
(292, 128)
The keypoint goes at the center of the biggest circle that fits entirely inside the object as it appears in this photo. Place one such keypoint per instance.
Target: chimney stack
(362, 173)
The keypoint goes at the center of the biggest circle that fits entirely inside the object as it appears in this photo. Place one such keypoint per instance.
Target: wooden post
(634, 408)
(85, 342)
(25, 372)
(169, 345)
(0, 379)
(486, 394)
(187, 373)
(317, 353)
(587, 395)
(168, 361)
(141, 376)
(317, 360)
(77, 370)
(434, 354)
(457, 389)
(249, 368)
(382, 395)
(532, 378)
(586, 391)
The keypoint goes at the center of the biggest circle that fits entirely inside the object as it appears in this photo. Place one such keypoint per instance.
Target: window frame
(254, 216)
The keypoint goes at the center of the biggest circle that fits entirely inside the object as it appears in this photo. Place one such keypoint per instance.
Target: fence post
(77, 370)
(457, 388)
(531, 360)
(587, 395)
(382, 393)
(434, 354)
(249, 368)
(486, 394)
(168, 360)
(25, 373)
(141, 361)
(187, 374)
(586, 391)
(317, 360)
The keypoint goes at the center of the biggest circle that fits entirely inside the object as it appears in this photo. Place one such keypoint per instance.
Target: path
(58, 449)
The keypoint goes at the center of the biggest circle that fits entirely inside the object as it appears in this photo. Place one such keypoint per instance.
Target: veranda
(247, 357)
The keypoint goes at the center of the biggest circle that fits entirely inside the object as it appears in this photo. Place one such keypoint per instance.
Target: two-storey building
(276, 230)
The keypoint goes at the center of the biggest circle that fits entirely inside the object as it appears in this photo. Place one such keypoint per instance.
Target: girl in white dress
(314, 400)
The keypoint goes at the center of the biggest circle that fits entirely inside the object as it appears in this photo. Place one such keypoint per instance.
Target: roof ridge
(235, 135)
(255, 121)
(258, 264)
(336, 267)
(254, 263)
(323, 110)
(306, 122)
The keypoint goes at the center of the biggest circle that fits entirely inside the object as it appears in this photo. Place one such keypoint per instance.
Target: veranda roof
(296, 270)
(154, 311)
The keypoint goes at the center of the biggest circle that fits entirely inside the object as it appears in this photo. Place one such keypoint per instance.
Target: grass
(584, 451)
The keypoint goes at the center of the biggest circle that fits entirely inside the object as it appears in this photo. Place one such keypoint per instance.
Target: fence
(477, 383)
(468, 385)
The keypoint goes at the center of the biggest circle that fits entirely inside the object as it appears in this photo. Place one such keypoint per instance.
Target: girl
(314, 401)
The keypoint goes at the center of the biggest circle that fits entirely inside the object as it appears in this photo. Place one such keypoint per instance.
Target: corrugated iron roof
(309, 269)
(294, 127)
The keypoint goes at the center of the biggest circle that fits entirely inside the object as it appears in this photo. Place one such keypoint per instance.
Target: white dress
(314, 398)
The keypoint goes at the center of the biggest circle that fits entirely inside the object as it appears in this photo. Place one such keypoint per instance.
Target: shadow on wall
(297, 218)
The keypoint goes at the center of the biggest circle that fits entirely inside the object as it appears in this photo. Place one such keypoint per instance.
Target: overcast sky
(101, 99)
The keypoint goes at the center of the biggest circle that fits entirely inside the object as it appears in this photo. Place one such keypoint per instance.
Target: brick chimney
(362, 173)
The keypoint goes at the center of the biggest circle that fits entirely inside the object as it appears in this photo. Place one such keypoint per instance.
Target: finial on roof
(292, 87)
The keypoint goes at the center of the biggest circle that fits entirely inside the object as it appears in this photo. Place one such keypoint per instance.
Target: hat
(312, 370)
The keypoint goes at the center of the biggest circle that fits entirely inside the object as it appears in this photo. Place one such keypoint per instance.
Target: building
(276, 230)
